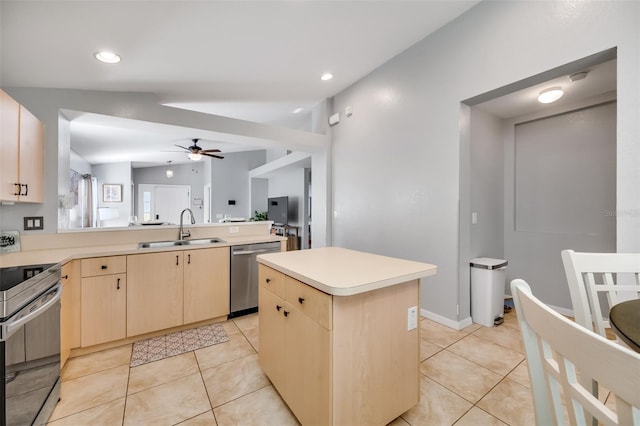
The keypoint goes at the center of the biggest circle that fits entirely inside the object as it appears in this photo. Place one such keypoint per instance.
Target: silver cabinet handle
(26, 314)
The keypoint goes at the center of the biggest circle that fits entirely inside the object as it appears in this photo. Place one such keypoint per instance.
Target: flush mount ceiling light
(169, 172)
(194, 156)
(550, 95)
(326, 76)
(107, 57)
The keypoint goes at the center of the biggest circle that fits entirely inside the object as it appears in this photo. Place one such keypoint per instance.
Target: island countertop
(343, 272)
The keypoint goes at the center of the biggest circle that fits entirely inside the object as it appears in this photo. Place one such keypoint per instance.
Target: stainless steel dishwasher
(244, 276)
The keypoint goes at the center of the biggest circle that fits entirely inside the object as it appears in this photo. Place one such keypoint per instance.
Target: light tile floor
(475, 376)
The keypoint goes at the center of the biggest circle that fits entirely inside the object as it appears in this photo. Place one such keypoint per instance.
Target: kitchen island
(339, 334)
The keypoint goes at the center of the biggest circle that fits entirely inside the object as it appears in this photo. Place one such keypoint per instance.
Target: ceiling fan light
(194, 156)
(550, 95)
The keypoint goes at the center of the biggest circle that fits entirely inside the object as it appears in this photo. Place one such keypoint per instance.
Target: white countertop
(342, 272)
(63, 255)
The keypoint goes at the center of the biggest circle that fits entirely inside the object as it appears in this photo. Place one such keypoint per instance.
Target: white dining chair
(558, 351)
(588, 274)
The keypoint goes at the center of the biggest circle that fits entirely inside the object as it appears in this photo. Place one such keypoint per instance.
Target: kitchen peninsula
(339, 333)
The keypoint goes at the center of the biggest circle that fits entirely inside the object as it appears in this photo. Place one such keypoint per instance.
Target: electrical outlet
(33, 223)
(234, 229)
(412, 318)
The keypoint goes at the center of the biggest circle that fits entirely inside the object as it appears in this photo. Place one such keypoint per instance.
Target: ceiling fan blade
(210, 150)
(210, 155)
(180, 146)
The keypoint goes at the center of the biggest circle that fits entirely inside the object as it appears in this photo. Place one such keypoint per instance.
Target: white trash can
(487, 290)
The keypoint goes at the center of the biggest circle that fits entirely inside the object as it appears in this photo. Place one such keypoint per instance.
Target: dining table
(624, 318)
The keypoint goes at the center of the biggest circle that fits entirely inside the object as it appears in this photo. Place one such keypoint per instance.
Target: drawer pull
(286, 313)
(103, 267)
(278, 307)
(65, 277)
(118, 286)
(300, 300)
(268, 280)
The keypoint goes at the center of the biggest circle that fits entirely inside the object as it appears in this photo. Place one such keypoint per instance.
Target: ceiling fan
(196, 152)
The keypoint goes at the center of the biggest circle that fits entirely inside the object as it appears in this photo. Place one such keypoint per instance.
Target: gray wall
(396, 161)
(115, 173)
(191, 174)
(560, 185)
(294, 184)
(231, 181)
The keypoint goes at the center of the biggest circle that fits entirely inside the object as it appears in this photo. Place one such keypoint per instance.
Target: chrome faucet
(182, 233)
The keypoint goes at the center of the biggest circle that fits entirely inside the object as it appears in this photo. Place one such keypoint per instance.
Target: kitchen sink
(160, 244)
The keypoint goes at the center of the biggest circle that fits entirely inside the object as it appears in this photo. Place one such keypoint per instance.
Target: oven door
(31, 352)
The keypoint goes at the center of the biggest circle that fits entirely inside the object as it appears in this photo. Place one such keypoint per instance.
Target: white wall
(396, 160)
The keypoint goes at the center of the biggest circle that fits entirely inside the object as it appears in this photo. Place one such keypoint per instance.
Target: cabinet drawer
(272, 279)
(313, 303)
(96, 266)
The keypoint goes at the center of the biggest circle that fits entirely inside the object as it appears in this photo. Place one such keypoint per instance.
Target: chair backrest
(558, 351)
(588, 274)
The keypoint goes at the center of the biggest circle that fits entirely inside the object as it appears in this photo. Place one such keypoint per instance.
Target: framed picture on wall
(111, 193)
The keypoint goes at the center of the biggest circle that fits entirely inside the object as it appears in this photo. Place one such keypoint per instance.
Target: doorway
(162, 203)
(527, 174)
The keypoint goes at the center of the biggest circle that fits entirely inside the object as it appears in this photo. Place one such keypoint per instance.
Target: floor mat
(177, 343)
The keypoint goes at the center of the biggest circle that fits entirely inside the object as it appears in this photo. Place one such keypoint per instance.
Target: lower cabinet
(155, 294)
(104, 305)
(69, 309)
(295, 350)
(339, 360)
(103, 300)
(169, 289)
(206, 284)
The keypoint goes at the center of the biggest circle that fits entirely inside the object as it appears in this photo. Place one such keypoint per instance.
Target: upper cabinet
(21, 153)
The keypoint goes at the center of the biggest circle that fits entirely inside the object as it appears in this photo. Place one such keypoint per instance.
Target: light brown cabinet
(155, 296)
(339, 359)
(21, 153)
(206, 284)
(103, 300)
(295, 343)
(169, 289)
(69, 309)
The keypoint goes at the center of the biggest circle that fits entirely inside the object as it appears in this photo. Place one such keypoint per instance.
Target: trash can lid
(488, 263)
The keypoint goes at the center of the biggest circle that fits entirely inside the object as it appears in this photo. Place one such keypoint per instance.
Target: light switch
(412, 318)
(474, 218)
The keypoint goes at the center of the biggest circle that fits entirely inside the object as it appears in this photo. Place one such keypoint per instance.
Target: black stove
(21, 284)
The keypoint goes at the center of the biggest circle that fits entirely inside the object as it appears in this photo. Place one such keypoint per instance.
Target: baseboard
(456, 325)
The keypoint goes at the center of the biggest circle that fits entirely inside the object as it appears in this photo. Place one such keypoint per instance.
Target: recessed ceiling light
(326, 76)
(297, 110)
(550, 95)
(107, 57)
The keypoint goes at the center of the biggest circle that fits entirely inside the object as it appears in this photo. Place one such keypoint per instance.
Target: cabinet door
(9, 141)
(155, 294)
(307, 359)
(70, 309)
(31, 157)
(103, 312)
(206, 284)
(271, 336)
